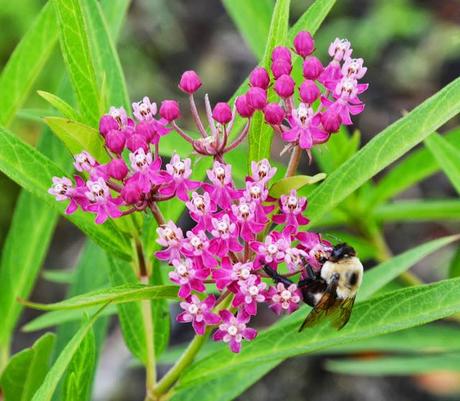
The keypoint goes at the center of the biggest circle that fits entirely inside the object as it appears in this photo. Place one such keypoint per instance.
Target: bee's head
(342, 251)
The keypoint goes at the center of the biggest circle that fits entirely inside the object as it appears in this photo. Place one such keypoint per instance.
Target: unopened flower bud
(169, 110)
(281, 52)
(259, 78)
(117, 169)
(243, 108)
(115, 141)
(284, 86)
(135, 142)
(330, 121)
(312, 68)
(190, 82)
(281, 67)
(131, 192)
(274, 113)
(106, 124)
(257, 98)
(309, 92)
(222, 113)
(304, 44)
(146, 129)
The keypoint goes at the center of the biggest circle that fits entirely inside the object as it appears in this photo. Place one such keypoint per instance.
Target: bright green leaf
(418, 211)
(27, 369)
(285, 185)
(60, 105)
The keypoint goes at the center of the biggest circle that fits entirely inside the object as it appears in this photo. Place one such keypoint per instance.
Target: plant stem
(157, 214)
(294, 161)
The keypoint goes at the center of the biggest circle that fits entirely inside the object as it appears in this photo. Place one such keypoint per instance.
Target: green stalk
(4, 356)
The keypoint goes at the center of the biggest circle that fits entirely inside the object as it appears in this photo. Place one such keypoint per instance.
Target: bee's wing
(326, 306)
(344, 313)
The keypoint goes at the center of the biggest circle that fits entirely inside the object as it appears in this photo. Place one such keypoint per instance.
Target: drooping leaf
(78, 137)
(285, 185)
(26, 370)
(60, 105)
(115, 295)
(252, 18)
(75, 46)
(397, 365)
(47, 388)
(78, 381)
(385, 148)
(33, 171)
(26, 62)
(376, 316)
(447, 156)
(385, 272)
(260, 135)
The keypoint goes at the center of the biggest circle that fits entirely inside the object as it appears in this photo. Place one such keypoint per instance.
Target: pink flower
(225, 235)
(146, 169)
(353, 68)
(340, 49)
(305, 128)
(283, 299)
(197, 246)
(243, 107)
(244, 214)
(233, 330)
(222, 191)
(117, 169)
(107, 123)
(271, 251)
(199, 313)
(120, 116)
(63, 189)
(115, 141)
(281, 52)
(101, 202)
(309, 92)
(171, 237)
(284, 86)
(295, 259)
(291, 207)
(84, 162)
(229, 274)
(251, 292)
(144, 110)
(176, 179)
(312, 68)
(262, 171)
(257, 193)
(256, 98)
(200, 209)
(281, 67)
(190, 82)
(188, 277)
(274, 114)
(318, 250)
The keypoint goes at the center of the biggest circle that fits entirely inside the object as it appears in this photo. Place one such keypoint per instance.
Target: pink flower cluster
(232, 240)
(328, 96)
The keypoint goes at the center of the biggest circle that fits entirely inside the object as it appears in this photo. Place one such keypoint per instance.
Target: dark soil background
(412, 49)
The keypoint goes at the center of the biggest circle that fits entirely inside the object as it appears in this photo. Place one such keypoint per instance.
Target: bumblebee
(331, 291)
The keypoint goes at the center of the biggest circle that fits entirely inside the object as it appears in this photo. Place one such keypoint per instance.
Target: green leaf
(385, 272)
(66, 276)
(78, 137)
(78, 382)
(27, 369)
(60, 105)
(26, 62)
(33, 171)
(415, 167)
(73, 35)
(448, 157)
(397, 365)
(104, 56)
(115, 295)
(115, 12)
(160, 314)
(260, 134)
(58, 317)
(418, 211)
(285, 185)
(395, 311)
(454, 265)
(46, 390)
(252, 18)
(385, 148)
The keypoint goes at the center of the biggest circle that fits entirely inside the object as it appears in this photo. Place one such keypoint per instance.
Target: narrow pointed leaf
(418, 211)
(285, 185)
(60, 105)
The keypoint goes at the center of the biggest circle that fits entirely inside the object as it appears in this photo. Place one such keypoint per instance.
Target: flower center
(255, 192)
(232, 330)
(292, 202)
(223, 227)
(272, 249)
(285, 295)
(220, 173)
(253, 290)
(193, 309)
(196, 243)
(179, 168)
(244, 210)
(182, 270)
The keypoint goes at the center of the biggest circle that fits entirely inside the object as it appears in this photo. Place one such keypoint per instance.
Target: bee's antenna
(332, 237)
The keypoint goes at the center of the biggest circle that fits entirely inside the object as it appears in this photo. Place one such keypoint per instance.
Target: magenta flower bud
(312, 67)
(190, 82)
(257, 98)
(115, 141)
(169, 110)
(243, 108)
(281, 52)
(222, 113)
(117, 169)
(284, 86)
(274, 113)
(146, 129)
(304, 44)
(330, 121)
(106, 124)
(131, 192)
(137, 141)
(309, 92)
(281, 67)
(259, 78)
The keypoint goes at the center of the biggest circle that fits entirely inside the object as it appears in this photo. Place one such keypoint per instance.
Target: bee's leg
(310, 271)
(277, 278)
